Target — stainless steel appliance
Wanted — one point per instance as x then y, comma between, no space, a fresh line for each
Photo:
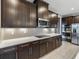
75,33
43,22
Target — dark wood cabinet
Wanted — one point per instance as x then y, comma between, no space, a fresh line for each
68,20
22,14
53,19
19,13
35,50
42,9
6,13
31,50
58,40
43,47
23,51
8,53
76,19
33,21
50,44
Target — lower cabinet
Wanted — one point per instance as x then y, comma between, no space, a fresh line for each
58,40
31,50
8,53
43,47
35,50
50,45
23,51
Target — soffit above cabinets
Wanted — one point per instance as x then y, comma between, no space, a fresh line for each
64,7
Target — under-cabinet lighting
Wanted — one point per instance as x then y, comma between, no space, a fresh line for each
10,31
72,8
45,30
23,30
53,29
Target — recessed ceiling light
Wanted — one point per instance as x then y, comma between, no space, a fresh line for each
23,30
72,8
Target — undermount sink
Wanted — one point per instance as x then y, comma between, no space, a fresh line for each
41,36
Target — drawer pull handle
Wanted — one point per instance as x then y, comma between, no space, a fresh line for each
35,43
24,45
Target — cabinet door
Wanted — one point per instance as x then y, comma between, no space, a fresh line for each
76,19
53,20
22,14
42,9
15,15
8,14
69,20
43,47
54,43
9,53
23,51
51,44
35,50
58,41
33,21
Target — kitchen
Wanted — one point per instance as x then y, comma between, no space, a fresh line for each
31,29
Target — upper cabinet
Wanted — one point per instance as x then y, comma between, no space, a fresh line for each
42,9
76,19
18,13
68,20
24,14
53,19
33,20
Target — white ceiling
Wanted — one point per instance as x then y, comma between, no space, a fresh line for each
63,7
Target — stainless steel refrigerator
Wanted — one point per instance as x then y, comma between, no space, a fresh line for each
75,33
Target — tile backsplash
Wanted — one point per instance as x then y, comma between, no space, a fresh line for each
11,33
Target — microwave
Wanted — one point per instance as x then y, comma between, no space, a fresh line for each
43,22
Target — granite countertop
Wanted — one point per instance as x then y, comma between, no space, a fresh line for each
17,41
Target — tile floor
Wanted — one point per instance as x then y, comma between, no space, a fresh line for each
66,51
